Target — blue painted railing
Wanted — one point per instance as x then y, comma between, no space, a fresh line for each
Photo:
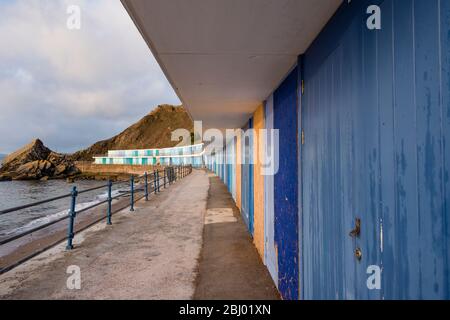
151,185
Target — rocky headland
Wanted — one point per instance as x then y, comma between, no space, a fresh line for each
37,162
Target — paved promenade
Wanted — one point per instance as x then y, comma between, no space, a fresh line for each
151,253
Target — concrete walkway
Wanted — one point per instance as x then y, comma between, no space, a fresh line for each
230,267
151,253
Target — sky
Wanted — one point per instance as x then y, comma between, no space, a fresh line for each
71,88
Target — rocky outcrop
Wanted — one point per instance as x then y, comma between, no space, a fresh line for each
36,162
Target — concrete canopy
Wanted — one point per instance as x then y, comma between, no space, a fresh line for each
225,57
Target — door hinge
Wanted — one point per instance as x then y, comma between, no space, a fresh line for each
303,86
303,137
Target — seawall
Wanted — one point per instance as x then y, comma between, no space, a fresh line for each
90,168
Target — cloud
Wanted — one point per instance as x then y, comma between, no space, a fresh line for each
73,87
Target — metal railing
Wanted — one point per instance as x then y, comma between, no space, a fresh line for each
151,184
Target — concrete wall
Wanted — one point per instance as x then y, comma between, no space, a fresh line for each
91,168
258,181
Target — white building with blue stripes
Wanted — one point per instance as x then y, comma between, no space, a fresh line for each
187,155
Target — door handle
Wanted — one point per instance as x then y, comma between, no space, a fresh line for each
357,230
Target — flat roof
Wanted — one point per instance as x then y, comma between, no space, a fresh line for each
224,57
159,149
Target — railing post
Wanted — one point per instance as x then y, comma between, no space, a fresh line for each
146,186
132,193
165,178
158,181
169,177
154,182
109,203
72,214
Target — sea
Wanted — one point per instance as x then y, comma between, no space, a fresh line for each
19,193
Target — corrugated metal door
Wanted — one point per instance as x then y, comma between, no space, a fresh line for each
286,186
376,117
269,215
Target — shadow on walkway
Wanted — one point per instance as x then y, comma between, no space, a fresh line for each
230,267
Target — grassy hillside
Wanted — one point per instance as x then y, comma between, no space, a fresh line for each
152,131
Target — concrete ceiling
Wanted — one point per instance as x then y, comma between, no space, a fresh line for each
224,57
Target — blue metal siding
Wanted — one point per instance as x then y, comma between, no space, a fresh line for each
432,241
286,188
251,193
445,85
376,116
233,180
231,167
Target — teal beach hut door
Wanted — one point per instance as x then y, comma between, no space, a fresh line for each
247,178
